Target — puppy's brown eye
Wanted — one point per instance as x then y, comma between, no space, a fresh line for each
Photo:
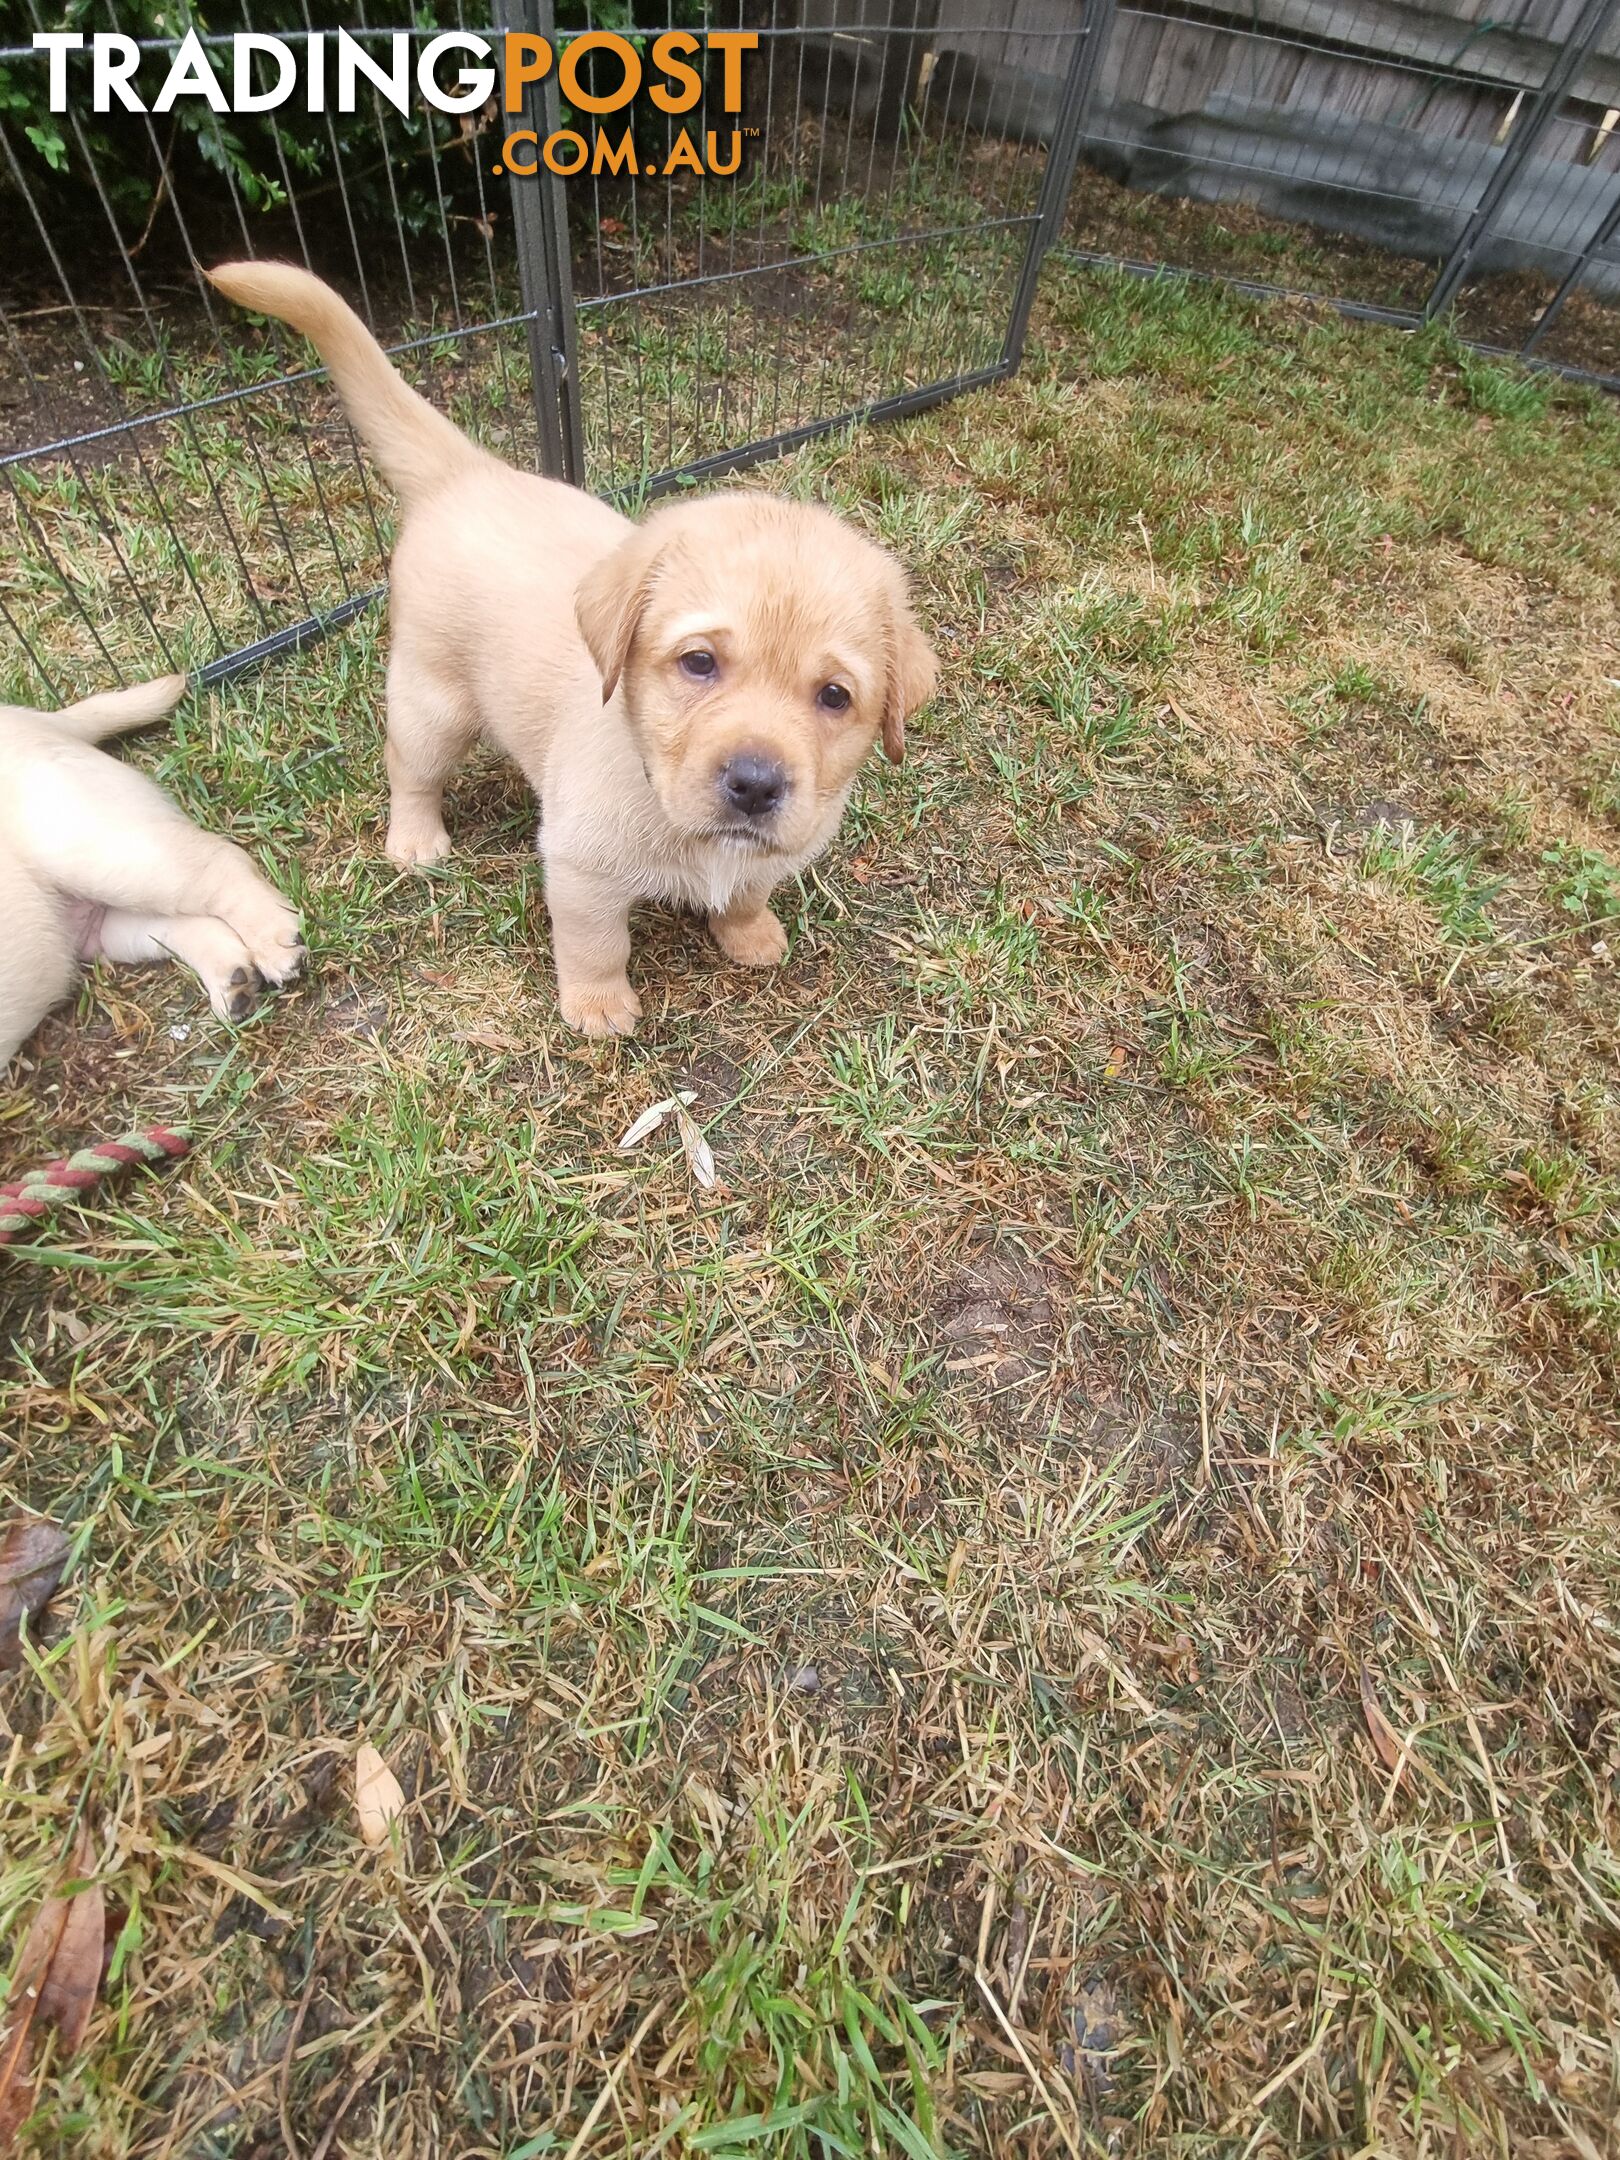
697,663
833,697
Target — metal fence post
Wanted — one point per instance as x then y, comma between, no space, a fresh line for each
1079,85
545,275
1535,116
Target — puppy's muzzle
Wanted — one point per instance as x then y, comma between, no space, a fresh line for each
752,787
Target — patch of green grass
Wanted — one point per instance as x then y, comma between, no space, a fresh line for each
1582,882
1444,869
1500,388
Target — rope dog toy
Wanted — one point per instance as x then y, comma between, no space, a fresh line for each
25,1199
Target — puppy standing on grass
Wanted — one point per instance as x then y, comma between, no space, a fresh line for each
97,863
689,697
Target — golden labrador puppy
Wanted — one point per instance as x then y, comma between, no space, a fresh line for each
97,863
689,697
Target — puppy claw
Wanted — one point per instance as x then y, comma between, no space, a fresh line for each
415,848
279,968
613,1010
758,941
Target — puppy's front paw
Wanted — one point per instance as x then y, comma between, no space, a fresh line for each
752,941
273,943
268,928
601,1008
213,948
413,843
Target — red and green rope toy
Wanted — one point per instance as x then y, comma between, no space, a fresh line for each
24,1200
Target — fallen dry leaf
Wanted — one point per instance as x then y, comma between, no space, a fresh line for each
33,1553
1118,1058
67,1995
699,1154
1384,1736
57,1980
378,1800
648,1122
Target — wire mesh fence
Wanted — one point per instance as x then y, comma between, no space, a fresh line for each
1396,161
862,235
182,486
869,258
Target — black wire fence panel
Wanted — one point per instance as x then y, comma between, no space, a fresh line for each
1405,161
1334,170
179,486
183,487
1547,281
869,254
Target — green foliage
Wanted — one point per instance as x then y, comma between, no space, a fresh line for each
411,169
257,154
1584,883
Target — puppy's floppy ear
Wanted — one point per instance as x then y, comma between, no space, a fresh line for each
611,599
912,675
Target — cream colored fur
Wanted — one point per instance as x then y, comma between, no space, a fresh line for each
97,863
531,614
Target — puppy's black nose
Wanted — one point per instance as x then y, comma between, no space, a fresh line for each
752,784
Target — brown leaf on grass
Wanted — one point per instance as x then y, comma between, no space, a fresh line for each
33,1553
57,1980
378,1799
1384,1736
1118,1058
67,1995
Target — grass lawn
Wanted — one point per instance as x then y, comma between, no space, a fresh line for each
1068,1605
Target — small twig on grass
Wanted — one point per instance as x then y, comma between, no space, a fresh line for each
157,199
1062,2128
284,2081
594,2112
1022,1974
1275,2084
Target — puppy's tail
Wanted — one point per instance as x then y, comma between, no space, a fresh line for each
413,442
115,712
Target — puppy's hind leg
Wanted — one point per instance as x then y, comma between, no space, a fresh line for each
208,946
430,730
102,832
37,964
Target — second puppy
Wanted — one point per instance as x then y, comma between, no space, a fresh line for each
97,863
689,697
